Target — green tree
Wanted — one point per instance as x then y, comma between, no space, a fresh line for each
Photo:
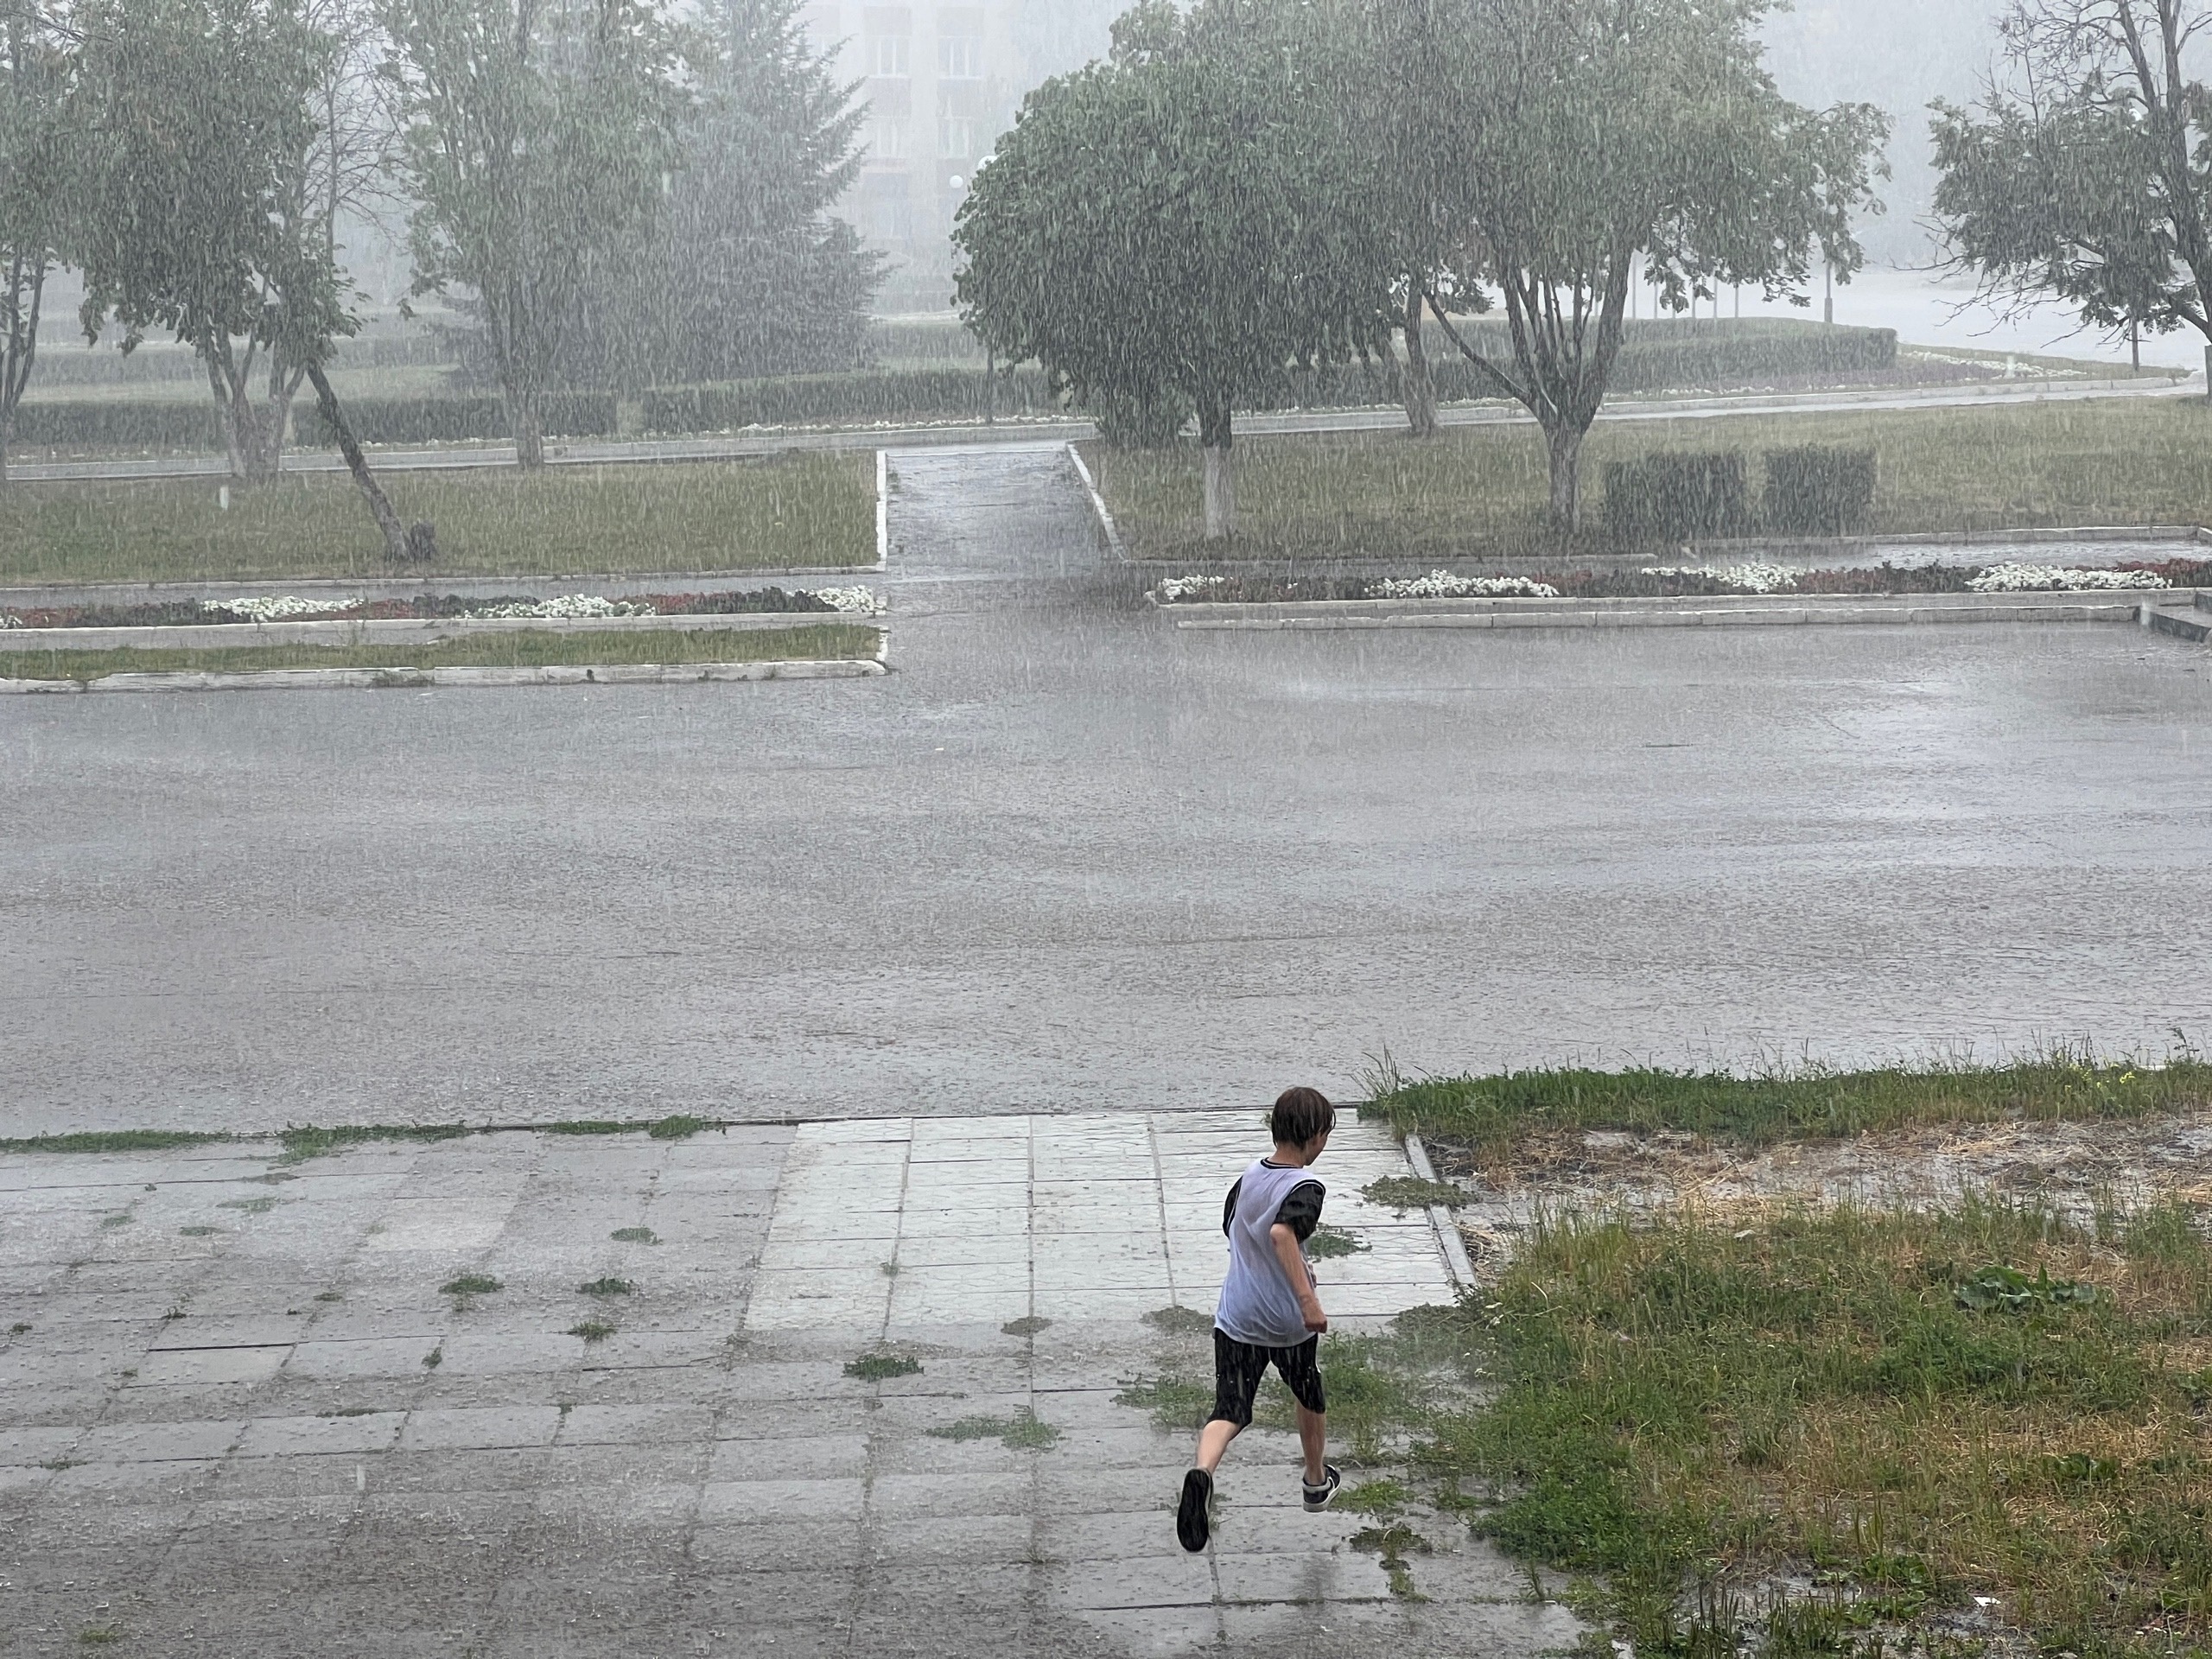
745,270
1166,230
538,136
1560,142
197,122
2088,176
37,190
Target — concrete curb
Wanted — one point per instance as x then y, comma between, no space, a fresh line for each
401,679
1748,611
407,586
407,631
1447,1230
1109,531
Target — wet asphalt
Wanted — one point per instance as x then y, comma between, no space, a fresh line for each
1065,858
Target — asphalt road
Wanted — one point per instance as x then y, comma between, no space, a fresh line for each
1064,857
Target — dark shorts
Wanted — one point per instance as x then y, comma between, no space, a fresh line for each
1238,1366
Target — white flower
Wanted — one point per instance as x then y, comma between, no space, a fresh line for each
1442,584
564,608
1744,578
855,602
275,607
2011,578
1175,588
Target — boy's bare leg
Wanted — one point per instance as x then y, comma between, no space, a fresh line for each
1312,1440
1213,1440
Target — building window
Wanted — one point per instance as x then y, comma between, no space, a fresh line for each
887,54
888,140
955,137
887,211
960,57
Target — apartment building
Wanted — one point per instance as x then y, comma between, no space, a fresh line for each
941,82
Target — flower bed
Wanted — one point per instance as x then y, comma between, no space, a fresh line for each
432,608
1695,581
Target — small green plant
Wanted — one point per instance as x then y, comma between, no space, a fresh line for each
95,1636
2002,1289
891,1269
877,1367
606,1287
592,1330
196,1232
1027,1325
1019,1432
111,1140
1328,1243
1385,1498
676,1127
592,1126
21,1327
1392,1543
470,1284
1176,1402
306,1141
435,1358
250,1206
633,1235
329,1296
1404,1192
1177,1320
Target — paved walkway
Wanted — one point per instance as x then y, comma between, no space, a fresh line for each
239,1417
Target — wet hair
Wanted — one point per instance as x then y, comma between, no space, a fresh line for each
1299,1115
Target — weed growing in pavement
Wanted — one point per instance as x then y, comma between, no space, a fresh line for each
676,1127
1330,1241
1393,1543
1179,1321
21,1327
251,1206
877,1367
435,1358
1499,1118
470,1284
1028,1325
1404,1192
94,1636
890,1269
592,1330
329,1296
592,1126
606,1287
107,1140
114,1221
197,1232
633,1235
1019,1432
306,1141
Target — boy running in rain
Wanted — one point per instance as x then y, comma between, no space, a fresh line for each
1269,1312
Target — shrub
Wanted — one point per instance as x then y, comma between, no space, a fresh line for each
1129,421
1816,491
1674,498
866,395
454,420
118,424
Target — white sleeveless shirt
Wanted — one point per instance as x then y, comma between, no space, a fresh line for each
1258,1304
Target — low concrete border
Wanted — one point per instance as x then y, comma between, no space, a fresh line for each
882,509
1750,610
1108,533
410,631
1448,1228
402,679
2194,625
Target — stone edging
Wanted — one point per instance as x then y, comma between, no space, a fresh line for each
1108,533
410,631
342,679
1750,610
882,508
1448,1228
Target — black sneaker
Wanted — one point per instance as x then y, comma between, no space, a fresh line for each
1317,1498
1192,1526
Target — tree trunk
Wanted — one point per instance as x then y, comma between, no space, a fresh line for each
396,544
1420,385
528,427
7,436
1565,442
1215,436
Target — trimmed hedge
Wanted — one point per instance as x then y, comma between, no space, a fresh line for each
1675,498
118,423
1817,491
867,395
452,420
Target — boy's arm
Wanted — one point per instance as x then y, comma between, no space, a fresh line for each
1301,1280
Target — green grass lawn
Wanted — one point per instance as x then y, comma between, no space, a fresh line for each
1499,1119
1695,1405
1471,491
525,648
789,512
